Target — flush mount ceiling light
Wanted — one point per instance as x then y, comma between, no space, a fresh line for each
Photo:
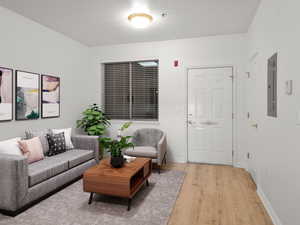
140,20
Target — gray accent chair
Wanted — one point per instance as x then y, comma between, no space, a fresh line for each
23,184
149,143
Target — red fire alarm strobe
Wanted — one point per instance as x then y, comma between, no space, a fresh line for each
175,63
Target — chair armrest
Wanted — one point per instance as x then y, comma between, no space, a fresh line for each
161,149
86,142
13,181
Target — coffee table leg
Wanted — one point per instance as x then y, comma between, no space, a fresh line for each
147,182
91,198
129,204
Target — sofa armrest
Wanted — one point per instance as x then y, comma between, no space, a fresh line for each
86,142
13,181
161,149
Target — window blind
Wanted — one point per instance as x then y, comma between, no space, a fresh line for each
131,90
144,91
117,90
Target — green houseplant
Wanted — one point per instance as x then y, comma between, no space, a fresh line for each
115,146
94,121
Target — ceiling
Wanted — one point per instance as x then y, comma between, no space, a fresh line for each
104,22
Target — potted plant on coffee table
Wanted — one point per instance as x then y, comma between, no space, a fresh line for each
115,147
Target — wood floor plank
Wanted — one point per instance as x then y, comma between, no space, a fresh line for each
217,195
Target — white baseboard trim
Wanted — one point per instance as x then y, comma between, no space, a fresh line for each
275,219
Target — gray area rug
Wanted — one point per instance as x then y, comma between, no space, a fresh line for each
151,206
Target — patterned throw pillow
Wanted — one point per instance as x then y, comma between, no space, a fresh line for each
57,144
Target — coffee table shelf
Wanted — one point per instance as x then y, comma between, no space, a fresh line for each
122,182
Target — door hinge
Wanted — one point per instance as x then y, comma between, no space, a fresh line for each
248,115
232,115
248,74
231,76
232,154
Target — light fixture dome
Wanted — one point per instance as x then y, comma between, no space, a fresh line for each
140,20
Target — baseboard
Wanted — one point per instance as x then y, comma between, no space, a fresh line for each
274,217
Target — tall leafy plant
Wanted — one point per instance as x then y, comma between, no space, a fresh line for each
93,121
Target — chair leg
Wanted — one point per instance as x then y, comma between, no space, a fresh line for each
165,159
159,169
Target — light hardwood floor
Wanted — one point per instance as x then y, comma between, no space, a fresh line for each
217,195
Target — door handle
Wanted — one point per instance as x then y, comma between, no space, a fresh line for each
190,122
209,123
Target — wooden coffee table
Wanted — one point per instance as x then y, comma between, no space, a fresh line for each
122,182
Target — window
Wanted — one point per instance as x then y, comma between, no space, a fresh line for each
272,86
131,90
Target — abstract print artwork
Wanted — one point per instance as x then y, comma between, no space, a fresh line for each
6,79
50,96
27,95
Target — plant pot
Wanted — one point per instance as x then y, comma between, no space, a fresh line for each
117,162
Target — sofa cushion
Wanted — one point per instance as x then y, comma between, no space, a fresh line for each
47,168
57,143
11,147
32,149
77,156
31,133
54,165
142,151
68,133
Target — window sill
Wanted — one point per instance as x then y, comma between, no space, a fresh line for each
153,122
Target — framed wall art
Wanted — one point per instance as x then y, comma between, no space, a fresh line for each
27,95
6,94
50,96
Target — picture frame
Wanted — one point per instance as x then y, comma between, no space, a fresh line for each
6,94
27,95
50,96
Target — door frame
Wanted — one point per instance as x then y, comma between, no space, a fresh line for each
249,165
235,161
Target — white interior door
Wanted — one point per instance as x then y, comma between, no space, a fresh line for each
210,115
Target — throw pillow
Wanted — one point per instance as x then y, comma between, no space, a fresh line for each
32,149
31,133
10,147
68,133
57,143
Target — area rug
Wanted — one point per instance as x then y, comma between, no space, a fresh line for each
151,206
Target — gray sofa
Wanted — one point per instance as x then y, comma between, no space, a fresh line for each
21,185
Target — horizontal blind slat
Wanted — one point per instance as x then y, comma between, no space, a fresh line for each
144,92
117,90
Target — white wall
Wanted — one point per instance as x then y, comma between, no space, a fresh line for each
26,45
208,51
29,46
277,156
